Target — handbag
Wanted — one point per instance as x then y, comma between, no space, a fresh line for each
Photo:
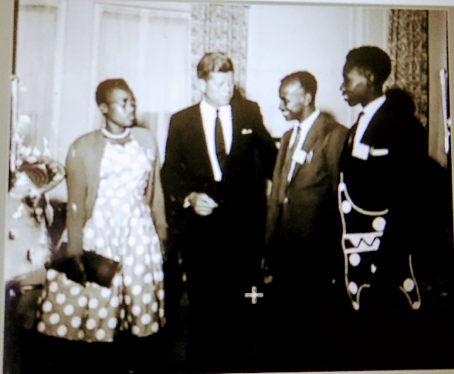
68,266
98,269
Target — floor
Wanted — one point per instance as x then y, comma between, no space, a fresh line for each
28,352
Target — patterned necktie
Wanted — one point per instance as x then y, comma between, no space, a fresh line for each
219,141
289,154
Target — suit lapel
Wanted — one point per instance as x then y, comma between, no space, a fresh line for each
375,127
200,143
237,138
236,131
308,146
280,179
284,145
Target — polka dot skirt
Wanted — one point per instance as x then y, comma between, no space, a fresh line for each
121,228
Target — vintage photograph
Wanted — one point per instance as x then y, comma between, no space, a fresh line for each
228,187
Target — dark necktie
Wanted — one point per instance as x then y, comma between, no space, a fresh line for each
352,133
219,141
348,148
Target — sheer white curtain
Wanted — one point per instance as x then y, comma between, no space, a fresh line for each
150,49
38,69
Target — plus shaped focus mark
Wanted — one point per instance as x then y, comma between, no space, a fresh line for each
253,295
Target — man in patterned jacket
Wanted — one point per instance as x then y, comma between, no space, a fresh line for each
381,168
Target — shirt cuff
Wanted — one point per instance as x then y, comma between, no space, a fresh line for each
186,203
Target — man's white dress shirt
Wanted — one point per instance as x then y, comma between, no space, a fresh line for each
305,127
208,114
361,150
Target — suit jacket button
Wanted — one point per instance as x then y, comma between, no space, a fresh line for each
286,200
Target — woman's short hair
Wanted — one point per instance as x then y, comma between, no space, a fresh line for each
213,62
108,86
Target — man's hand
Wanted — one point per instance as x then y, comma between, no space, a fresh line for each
202,204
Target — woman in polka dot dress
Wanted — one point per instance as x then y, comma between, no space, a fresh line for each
113,187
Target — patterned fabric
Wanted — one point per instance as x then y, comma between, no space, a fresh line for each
408,46
219,28
121,228
362,231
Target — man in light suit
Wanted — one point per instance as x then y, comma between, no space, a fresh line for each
303,229
218,158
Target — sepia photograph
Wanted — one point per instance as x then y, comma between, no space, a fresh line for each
226,186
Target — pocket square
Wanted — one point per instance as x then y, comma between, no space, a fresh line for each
379,151
246,131
361,151
300,156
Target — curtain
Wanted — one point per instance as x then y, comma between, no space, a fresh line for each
157,52
36,70
408,46
150,50
219,28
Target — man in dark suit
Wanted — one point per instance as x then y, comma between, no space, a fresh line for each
381,199
303,229
218,157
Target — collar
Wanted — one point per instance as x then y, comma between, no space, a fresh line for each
368,113
211,109
309,121
370,109
304,126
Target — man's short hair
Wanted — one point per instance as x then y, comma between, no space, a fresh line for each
306,79
370,58
108,86
213,62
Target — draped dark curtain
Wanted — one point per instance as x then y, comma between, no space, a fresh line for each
408,47
220,28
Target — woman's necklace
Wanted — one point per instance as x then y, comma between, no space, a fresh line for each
109,135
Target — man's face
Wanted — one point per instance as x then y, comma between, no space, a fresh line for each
355,87
120,108
218,88
293,100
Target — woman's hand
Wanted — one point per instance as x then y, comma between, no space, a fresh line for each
80,267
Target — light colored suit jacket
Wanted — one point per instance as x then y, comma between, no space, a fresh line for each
297,208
